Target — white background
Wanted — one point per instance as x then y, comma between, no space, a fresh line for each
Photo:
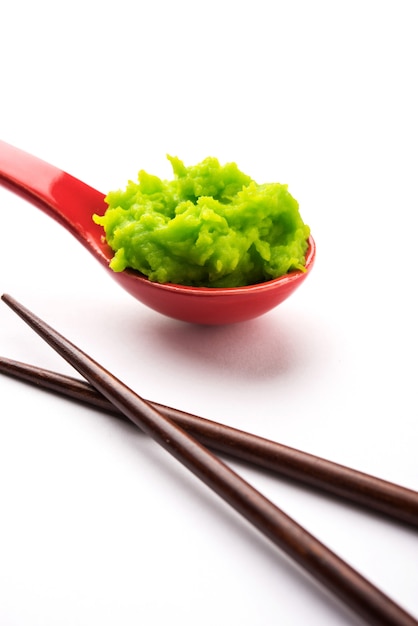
100,526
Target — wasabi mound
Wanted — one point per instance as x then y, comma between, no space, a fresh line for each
211,226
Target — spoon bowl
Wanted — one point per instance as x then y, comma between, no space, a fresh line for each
72,204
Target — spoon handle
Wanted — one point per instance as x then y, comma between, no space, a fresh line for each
64,198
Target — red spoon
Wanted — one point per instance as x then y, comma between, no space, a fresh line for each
72,203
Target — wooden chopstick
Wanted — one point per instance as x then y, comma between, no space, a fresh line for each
334,573
375,494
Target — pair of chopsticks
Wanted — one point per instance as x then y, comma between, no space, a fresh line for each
168,428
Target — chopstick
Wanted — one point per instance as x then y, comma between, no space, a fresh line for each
325,566
374,494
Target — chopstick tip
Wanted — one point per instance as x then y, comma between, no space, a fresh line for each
10,301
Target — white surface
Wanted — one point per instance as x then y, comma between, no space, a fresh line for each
98,525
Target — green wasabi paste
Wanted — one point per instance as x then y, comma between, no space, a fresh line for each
211,226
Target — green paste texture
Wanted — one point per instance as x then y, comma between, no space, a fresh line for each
212,226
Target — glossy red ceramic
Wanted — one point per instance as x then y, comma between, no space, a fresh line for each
72,203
